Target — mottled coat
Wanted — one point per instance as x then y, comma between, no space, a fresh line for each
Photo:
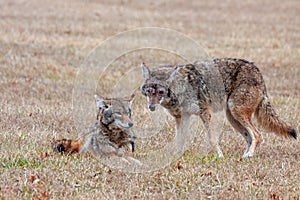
234,85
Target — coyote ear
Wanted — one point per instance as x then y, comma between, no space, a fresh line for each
131,99
146,71
100,102
132,96
172,76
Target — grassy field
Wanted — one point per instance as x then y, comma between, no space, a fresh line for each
42,45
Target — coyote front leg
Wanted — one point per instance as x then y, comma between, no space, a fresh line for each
212,135
182,124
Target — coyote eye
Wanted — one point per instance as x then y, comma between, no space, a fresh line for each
117,114
107,113
150,91
161,91
129,112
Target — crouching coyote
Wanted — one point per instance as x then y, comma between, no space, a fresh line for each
112,133
187,89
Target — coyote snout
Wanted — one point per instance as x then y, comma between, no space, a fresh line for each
123,121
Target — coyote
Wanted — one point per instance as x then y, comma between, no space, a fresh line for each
112,133
187,89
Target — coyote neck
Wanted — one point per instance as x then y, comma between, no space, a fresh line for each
172,104
114,133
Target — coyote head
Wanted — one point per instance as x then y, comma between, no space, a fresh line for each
115,111
156,86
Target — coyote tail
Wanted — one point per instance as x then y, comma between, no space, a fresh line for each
268,119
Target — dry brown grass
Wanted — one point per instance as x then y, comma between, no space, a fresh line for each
42,44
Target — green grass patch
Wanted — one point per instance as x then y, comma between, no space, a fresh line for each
20,162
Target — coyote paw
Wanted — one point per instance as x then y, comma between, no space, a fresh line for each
247,155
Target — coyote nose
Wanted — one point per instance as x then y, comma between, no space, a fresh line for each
152,107
130,124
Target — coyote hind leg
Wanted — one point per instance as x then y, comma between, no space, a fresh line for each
240,128
239,113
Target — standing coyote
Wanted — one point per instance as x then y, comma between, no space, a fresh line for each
187,89
112,134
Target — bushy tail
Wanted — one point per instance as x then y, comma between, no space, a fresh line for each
67,145
269,120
